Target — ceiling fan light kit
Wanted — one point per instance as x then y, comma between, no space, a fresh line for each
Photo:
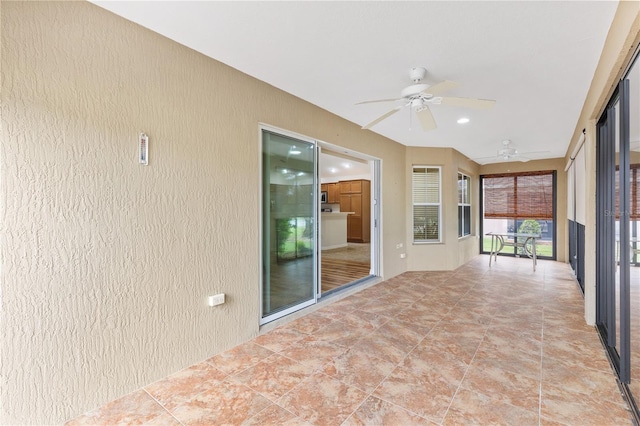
418,95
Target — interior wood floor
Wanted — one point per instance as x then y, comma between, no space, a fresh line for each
338,272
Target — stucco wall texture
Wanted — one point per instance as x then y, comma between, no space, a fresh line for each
106,264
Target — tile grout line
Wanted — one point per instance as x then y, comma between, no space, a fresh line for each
163,407
398,364
544,296
468,366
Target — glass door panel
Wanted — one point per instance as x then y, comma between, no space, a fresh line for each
288,225
614,230
619,225
634,243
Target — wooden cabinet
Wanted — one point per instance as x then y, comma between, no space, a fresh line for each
355,196
333,193
351,186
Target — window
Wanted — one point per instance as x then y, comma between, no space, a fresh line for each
464,205
520,203
426,204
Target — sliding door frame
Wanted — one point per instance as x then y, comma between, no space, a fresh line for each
264,234
607,262
376,220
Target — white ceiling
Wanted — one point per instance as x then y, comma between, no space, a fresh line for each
334,168
536,59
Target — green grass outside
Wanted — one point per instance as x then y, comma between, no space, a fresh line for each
544,249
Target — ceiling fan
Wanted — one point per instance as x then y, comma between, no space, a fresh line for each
419,95
508,152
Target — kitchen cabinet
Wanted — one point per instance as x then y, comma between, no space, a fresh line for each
351,186
333,192
355,196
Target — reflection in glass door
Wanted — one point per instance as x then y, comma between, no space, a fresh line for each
289,212
613,231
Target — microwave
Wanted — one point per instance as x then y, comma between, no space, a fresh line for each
323,197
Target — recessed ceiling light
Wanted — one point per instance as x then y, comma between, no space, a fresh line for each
346,165
333,170
294,151
463,120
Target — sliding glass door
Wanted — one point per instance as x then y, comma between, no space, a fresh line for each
617,220
289,214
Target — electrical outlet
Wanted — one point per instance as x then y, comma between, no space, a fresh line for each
403,255
399,245
216,299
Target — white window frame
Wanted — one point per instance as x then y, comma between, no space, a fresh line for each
462,176
438,204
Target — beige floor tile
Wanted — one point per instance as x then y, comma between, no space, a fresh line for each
323,400
383,347
274,376
503,386
135,408
571,408
471,408
308,324
512,337
275,415
427,393
463,346
385,308
337,333
279,339
313,353
363,370
510,359
374,411
572,376
417,315
165,419
227,403
185,384
240,357
587,353
439,356
363,320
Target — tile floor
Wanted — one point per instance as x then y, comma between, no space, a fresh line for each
479,345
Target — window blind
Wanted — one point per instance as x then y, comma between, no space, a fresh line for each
527,195
634,188
464,205
426,185
426,204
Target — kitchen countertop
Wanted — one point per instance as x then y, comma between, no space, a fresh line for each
336,213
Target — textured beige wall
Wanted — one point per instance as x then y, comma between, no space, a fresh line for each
105,264
451,252
556,164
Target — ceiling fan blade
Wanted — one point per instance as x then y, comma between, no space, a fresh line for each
378,100
535,152
443,86
379,119
468,102
426,119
